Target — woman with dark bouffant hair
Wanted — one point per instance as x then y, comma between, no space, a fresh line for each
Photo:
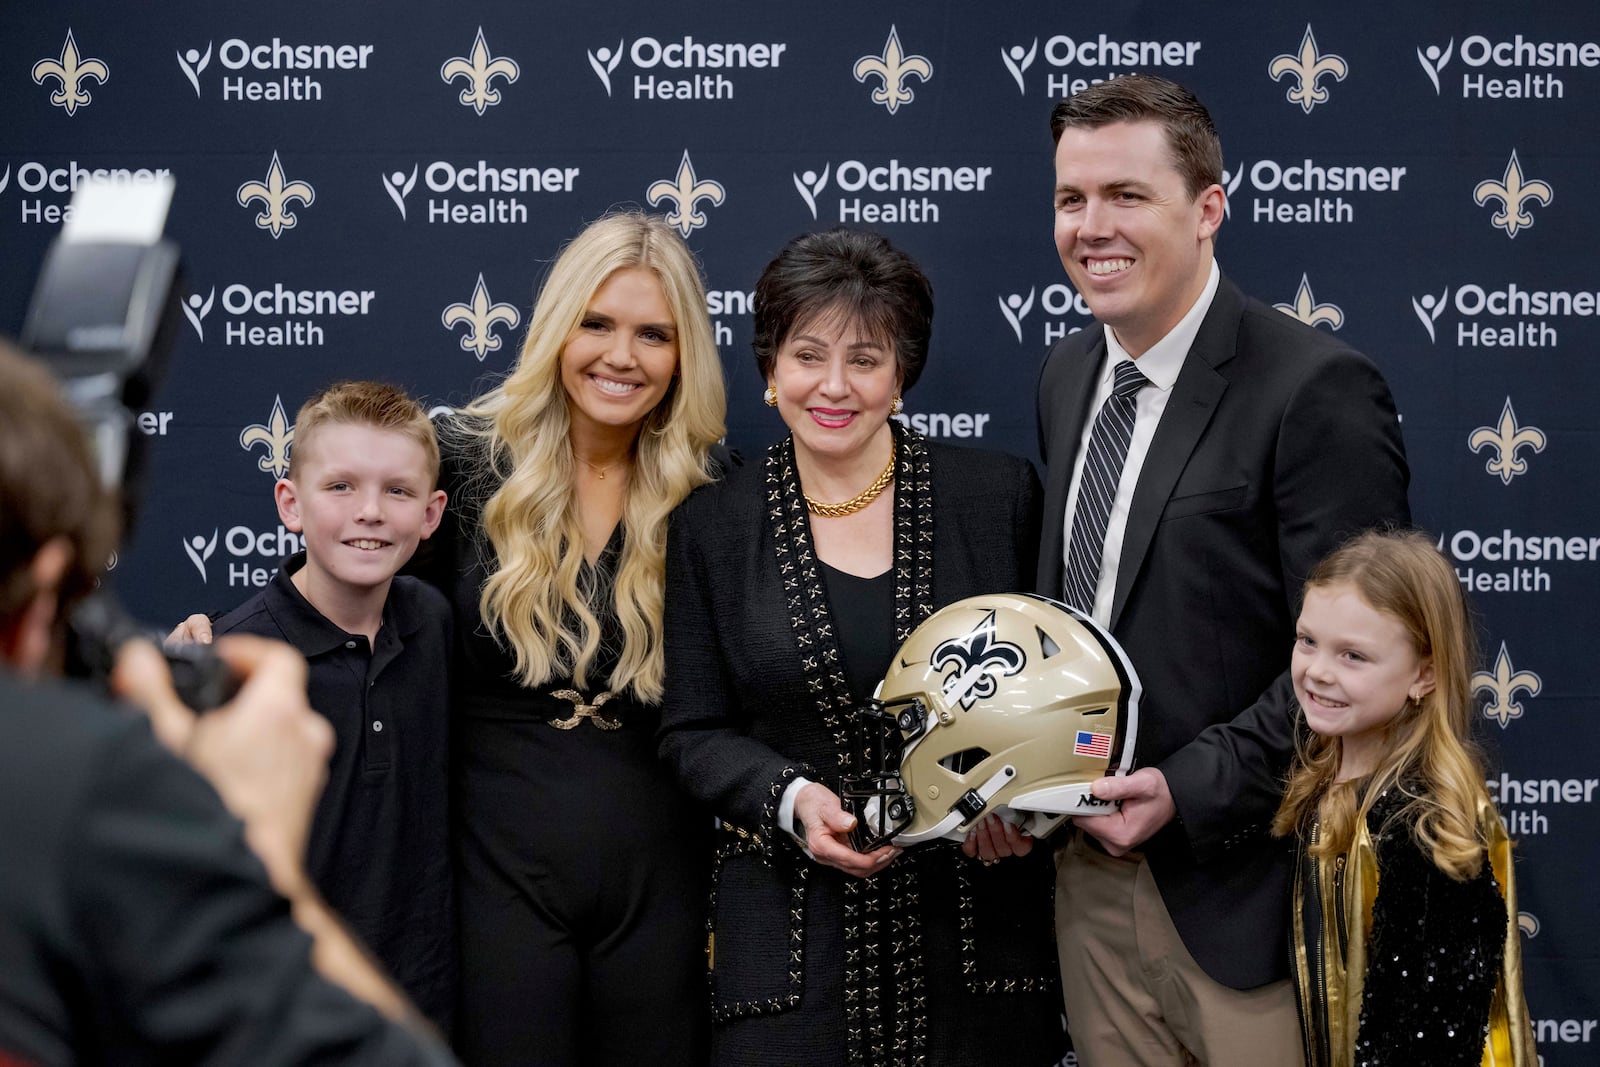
789,586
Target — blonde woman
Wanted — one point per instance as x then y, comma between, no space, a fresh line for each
580,865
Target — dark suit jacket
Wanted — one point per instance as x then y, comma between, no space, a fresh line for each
1277,443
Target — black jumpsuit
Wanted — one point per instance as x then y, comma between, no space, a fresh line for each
582,869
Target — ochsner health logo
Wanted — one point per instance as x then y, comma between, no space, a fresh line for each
196,308
1073,64
1015,308
200,550
686,63
243,62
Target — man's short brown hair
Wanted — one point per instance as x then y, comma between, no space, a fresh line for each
1196,148
49,487
376,404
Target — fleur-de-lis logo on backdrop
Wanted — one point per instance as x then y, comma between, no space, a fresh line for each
1429,307
1015,308
480,69
1513,191
977,659
684,192
1502,684
1506,439
480,314
582,709
1307,310
1528,923
1307,69
893,68
275,195
277,435
70,70
193,63
196,308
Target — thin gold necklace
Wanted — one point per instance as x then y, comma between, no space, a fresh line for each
600,472
861,499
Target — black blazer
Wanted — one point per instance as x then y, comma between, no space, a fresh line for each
740,720
1277,443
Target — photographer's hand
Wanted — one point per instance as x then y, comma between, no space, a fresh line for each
266,754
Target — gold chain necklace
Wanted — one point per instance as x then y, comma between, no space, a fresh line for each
860,500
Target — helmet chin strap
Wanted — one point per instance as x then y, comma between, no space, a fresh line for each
975,801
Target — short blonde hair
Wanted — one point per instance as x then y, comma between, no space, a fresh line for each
378,405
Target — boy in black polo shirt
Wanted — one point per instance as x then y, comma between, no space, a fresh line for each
361,487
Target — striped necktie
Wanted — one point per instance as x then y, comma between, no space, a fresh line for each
1102,470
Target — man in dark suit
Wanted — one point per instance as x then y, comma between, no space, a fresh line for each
1237,447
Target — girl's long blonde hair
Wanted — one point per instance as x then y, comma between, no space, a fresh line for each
1429,755
534,600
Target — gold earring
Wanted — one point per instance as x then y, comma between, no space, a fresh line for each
770,396
895,405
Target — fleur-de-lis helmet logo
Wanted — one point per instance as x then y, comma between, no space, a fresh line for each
1307,310
275,195
70,70
974,661
1513,191
480,69
684,192
1502,684
1307,69
277,435
893,67
1506,438
480,314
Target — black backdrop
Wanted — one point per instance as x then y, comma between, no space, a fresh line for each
434,157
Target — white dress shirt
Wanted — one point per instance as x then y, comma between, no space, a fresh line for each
1160,364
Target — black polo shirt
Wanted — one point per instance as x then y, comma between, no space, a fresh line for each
379,848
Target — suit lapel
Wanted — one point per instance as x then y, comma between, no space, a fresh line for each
1194,400
1064,408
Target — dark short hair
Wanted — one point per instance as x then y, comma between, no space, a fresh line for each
856,274
1196,148
49,488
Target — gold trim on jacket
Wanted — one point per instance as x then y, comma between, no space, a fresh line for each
1350,884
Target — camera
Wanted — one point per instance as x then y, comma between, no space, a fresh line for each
102,319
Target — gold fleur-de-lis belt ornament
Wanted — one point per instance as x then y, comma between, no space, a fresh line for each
584,710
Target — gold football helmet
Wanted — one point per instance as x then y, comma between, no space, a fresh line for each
1003,703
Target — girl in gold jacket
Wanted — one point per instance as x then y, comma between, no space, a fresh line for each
1405,933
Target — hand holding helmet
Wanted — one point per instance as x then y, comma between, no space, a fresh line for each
1008,703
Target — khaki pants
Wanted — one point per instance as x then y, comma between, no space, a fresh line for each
1135,997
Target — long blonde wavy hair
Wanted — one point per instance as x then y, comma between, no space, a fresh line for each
1428,753
534,601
